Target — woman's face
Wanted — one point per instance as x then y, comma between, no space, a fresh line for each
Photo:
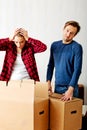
19,42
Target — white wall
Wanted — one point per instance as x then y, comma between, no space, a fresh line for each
44,20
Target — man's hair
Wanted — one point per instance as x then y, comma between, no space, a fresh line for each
74,24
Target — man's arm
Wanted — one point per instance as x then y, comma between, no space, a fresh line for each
75,76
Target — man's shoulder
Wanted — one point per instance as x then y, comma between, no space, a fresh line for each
76,44
56,42
55,45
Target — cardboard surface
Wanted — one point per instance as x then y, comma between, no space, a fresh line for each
41,114
65,115
19,107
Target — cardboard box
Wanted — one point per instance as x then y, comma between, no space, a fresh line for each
41,114
65,115
20,108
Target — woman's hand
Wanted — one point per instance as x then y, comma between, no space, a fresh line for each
20,31
11,38
24,33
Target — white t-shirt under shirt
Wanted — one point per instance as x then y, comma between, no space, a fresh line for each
19,70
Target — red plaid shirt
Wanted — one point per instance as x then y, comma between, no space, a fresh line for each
31,47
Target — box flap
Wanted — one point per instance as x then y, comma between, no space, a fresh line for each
55,95
14,83
17,106
41,89
18,91
2,83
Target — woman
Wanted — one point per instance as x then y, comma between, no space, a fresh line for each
19,62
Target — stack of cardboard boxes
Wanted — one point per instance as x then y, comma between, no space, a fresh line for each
25,105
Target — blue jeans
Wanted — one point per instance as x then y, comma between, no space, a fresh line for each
63,88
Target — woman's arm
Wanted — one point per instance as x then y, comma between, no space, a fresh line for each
3,44
38,46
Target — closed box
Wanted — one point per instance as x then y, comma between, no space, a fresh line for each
65,115
20,108
41,114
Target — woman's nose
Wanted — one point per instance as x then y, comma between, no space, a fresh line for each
18,44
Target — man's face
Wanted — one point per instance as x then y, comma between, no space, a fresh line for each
19,42
69,33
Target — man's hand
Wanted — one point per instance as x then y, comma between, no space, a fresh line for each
68,94
49,87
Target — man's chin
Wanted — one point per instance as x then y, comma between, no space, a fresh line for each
67,41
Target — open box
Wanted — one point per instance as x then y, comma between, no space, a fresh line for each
23,105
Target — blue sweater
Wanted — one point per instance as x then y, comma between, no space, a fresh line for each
67,61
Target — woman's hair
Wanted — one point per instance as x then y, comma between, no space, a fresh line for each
19,34
74,24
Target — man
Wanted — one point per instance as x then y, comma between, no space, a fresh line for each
66,58
19,60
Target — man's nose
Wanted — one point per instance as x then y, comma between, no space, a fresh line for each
68,34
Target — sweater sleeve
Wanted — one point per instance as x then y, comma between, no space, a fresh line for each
38,46
78,52
50,66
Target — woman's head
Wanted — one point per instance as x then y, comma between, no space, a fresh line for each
19,40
